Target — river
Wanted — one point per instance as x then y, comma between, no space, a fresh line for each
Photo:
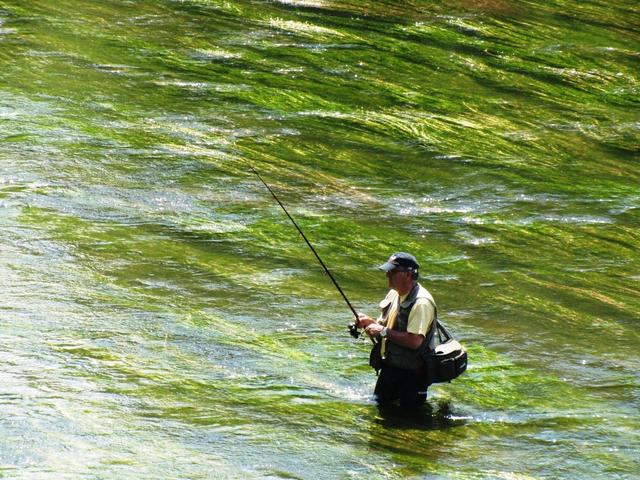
161,318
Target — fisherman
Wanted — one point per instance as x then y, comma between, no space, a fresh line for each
407,313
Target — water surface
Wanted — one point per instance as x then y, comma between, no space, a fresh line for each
161,318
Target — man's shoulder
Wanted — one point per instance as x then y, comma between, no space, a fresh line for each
391,297
424,295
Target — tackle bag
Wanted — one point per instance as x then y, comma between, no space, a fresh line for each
445,361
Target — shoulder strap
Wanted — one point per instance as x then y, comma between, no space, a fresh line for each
434,324
437,327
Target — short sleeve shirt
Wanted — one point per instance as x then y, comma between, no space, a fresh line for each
421,315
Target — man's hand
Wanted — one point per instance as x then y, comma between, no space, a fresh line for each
364,320
374,329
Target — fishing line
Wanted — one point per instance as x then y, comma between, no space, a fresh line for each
353,329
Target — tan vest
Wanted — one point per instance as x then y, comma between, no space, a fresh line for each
396,317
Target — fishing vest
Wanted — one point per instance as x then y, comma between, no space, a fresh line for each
396,355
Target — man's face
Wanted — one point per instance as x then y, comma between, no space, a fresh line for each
398,279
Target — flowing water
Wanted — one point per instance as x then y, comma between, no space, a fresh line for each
161,318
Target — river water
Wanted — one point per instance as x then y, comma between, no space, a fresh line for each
161,318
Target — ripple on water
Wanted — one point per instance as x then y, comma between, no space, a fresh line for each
569,219
215,54
183,84
303,28
117,69
303,3
6,31
442,278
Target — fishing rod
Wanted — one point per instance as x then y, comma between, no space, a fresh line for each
353,328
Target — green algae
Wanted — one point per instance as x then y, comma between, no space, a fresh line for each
161,317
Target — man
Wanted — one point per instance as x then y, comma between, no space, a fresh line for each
407,314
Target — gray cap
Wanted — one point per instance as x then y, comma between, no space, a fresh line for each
400,259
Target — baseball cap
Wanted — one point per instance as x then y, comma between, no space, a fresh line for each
400,259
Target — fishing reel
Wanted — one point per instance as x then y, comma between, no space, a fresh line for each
353,330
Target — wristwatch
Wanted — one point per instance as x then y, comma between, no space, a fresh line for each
383,332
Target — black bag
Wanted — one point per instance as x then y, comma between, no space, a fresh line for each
447,360
375,357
